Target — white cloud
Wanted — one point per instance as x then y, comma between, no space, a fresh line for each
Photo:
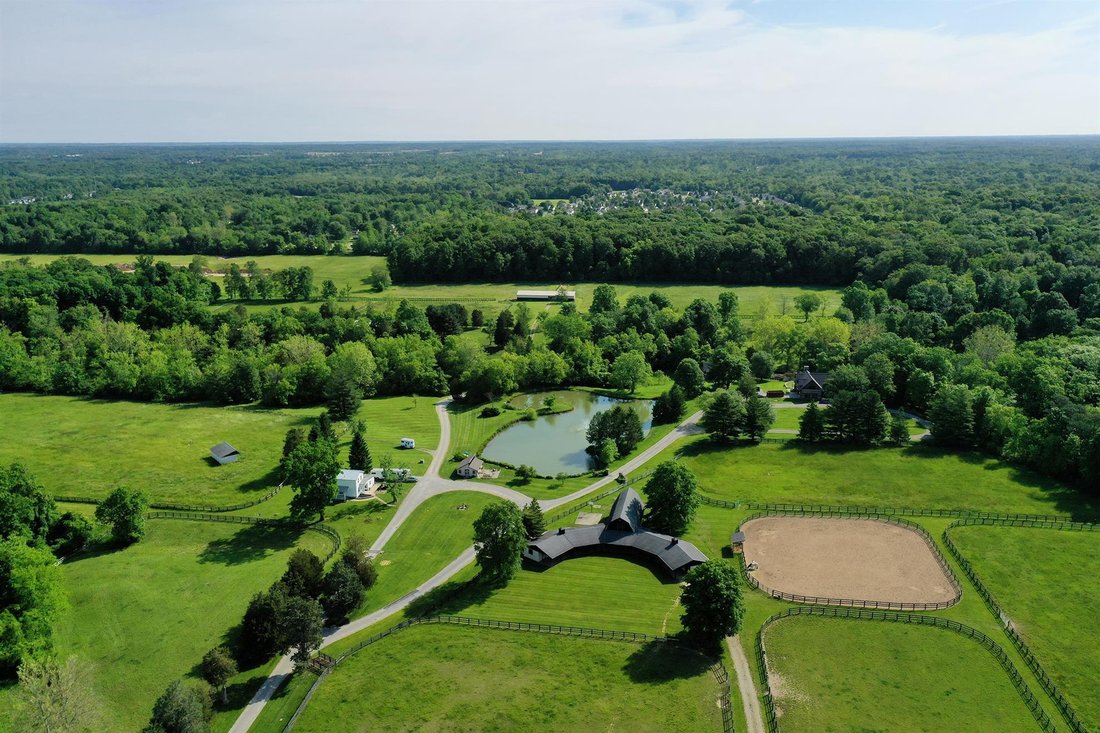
118,70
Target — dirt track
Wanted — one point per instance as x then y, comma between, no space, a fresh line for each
845,558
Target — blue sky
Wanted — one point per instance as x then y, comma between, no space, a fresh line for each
273,70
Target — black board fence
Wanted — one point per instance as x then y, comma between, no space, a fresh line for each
771,718
180,507
328,532
884,511
1003,618
856,602
717,669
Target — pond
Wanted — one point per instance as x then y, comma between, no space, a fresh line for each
554,444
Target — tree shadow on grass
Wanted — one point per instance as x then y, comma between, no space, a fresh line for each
265,483
659,662
451,598
249,544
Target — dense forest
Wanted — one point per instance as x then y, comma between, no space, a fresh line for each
726,212
971,276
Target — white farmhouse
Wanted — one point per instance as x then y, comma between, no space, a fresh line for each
352,483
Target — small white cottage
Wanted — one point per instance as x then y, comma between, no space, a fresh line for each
408,443
352,483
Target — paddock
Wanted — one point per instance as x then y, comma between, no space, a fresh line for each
839,558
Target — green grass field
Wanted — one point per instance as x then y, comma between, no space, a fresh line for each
1048,582
844,675
917,477
433,536
597,592
144,616
461,679
85,447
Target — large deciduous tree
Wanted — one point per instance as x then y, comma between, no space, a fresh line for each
218,667
712,602
499,540
629,370
124,510
311,470
672,498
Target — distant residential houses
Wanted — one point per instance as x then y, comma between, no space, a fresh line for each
809,385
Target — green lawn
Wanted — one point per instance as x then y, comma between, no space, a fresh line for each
143,616
84,447
845,675
916,477
448,678
596,592
1048,582
787,418
433,536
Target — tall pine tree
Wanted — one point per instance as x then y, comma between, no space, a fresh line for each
359,453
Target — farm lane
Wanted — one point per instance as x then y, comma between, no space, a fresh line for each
432,484
750,699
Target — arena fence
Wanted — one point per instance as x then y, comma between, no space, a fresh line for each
771,717
717,669
884,511
854,602
1003,618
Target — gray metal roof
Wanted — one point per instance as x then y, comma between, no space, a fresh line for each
221,450
810,380
473,462
672,553
626,513
737,537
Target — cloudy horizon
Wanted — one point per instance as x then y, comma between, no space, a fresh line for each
341,70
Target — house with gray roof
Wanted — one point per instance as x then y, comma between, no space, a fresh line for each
621,534
471,467
810,385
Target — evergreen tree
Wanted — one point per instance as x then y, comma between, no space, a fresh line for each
534,523
758,417
343,397
669,407
359,454
899,431
180,709
293,439
951,413
811,424
259,637
724,417
324,427
504,328
304,573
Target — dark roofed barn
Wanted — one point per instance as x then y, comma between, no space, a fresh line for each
624,534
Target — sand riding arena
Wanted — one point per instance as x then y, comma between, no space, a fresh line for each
844,561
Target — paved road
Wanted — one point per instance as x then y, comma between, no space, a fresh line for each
432,484
750,700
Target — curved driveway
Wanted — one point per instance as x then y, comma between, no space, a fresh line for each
432,484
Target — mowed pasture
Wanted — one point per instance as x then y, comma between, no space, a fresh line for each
594,592
85,447
354,271
846,675
1048,582
919,477
143,616
455,678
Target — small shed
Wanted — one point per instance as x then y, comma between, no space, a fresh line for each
737,542
224,453
352,483
408,443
